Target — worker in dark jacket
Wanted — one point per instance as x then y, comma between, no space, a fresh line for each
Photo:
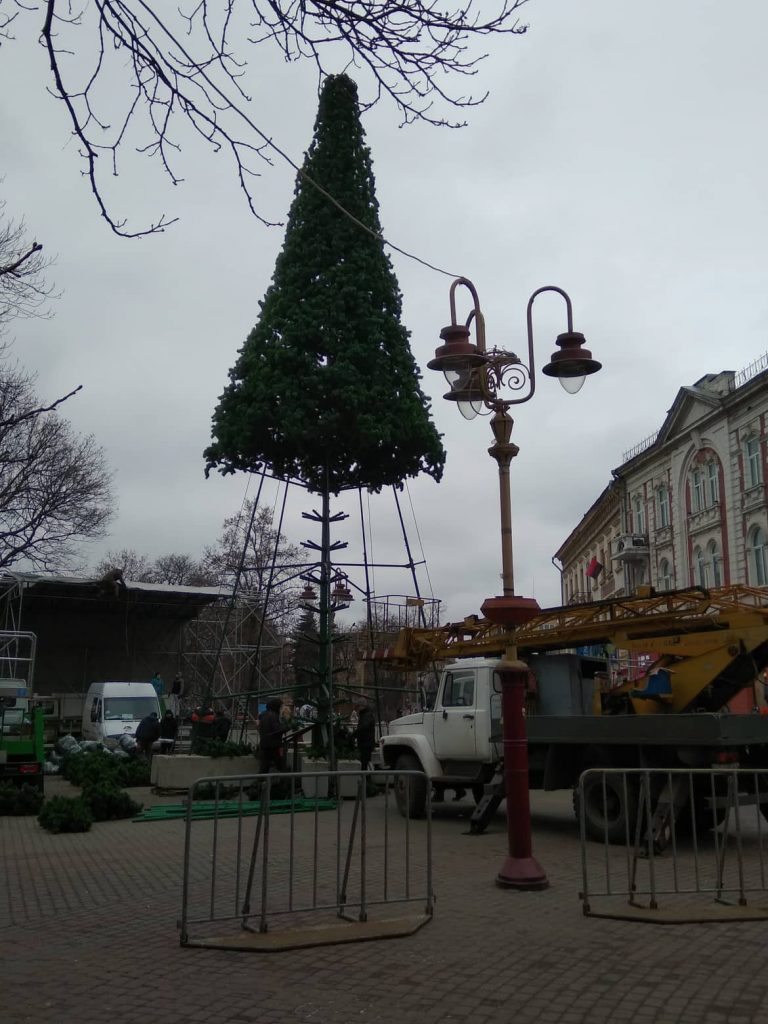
169,729
221,726
365,734
148,732
271,730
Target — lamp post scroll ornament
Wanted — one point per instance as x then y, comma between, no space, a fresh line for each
490,380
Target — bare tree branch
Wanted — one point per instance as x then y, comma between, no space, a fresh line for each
31,414
23,288
55,489
178,68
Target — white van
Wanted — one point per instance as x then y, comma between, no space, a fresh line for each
112,709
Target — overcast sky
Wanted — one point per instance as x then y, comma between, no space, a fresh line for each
621,155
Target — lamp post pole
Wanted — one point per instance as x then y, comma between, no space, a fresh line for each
483,380
503,451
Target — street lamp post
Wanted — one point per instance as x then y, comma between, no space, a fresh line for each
482,379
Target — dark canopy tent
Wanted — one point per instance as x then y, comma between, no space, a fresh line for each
90,630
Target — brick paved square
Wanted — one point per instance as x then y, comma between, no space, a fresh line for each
88,933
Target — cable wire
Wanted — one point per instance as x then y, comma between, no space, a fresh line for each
418,537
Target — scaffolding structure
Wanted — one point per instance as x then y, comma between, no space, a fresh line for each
227,650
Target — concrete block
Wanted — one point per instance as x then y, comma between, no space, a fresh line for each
179,771
318,786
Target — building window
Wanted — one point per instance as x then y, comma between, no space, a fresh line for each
717,564
639,516
700,568
697,491
663,500
665,575
753,472
756,558
713,483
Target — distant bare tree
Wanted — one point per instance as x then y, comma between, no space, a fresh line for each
55,488
221,563
176,569
136,72
135,568
180,570
23,289
24,292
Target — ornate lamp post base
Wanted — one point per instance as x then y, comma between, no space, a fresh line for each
520,869
522,873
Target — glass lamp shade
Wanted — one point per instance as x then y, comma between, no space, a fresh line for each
572,384
470,408
453,376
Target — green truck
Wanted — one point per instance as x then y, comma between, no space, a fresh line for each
22,740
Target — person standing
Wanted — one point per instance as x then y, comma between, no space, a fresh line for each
159,685
147,733
271,730
177,692
169,728
222,724
365,734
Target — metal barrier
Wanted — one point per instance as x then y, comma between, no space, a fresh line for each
693,839
270,859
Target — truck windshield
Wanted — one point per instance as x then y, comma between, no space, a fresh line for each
129,709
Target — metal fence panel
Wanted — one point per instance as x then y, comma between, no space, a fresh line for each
673,844
269,853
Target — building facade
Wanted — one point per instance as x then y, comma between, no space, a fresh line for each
689,505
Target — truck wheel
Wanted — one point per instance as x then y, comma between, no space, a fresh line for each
611,815
410,791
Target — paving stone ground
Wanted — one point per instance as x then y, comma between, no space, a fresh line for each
88,934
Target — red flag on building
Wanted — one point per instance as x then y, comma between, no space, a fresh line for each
594,569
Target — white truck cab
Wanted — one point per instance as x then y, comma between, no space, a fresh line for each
114,708
457,743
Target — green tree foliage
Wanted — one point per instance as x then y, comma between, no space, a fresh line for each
304,659
19,800
65,814
325,389
108,803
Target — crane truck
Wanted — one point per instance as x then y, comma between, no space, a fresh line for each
707,646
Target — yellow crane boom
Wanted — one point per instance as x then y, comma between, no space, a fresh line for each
712,641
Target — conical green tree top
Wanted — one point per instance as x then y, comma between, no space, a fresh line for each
325,387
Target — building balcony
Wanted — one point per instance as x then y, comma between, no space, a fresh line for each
663,535
753,498
705,519
629,547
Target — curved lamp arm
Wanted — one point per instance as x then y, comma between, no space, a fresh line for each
529,322
475,314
